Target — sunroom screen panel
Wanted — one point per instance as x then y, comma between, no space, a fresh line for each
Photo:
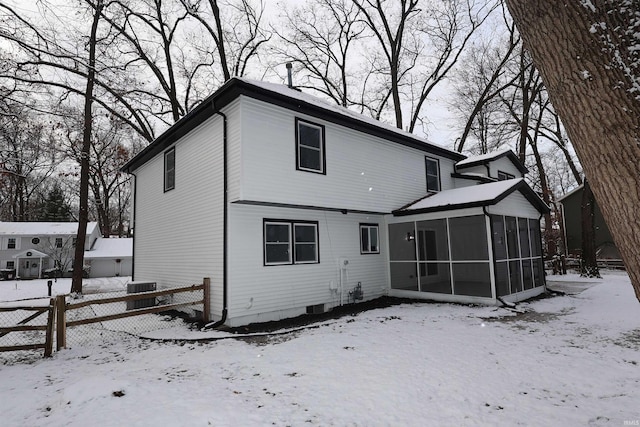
472,279
468,238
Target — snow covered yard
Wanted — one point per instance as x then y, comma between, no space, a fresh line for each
568,360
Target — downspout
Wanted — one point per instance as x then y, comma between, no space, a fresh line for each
544,273
492,265
225,218
135,205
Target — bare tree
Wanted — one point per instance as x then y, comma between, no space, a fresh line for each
392,26
83,215
483,78
588,57
45,59
236,29
26,161
108,153
322,39
419,47
445,28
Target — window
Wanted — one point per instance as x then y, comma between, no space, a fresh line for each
433,174
502,176
74,242
11,265
290,242
310,147
35,240
170,169
58,242
369,239
11,243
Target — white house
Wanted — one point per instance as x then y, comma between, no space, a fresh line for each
291,205
31,248
109,257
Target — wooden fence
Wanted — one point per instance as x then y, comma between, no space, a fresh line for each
22,326
58,309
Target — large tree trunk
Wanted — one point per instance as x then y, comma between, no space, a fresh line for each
593,96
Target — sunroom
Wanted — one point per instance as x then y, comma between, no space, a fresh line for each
478,244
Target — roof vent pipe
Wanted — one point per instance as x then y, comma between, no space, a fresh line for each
289,78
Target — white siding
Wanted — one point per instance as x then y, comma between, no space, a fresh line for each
479,169
108,267
363,172
259,293
503,164
234,150
178,233
515,205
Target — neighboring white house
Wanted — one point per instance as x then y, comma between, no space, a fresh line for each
292,205
31,248
110,257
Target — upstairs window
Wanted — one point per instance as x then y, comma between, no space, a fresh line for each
11,243
290,242
58,242
433,174
310,156
369,239
170,169
503,176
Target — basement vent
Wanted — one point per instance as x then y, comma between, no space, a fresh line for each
137,287
315,309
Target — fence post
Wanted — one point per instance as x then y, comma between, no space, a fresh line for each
207,299
48,343
61,322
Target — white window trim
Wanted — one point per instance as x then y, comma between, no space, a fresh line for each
17,241
289,243
321,148
316,259
291,224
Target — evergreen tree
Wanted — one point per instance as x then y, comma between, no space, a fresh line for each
56,208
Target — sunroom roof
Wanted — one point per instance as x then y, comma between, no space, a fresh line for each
473,196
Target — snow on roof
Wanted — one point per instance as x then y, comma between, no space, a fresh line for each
111,248
484,157
43,228
285,90
280,94
472,196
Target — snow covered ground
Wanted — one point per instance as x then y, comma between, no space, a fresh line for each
567,360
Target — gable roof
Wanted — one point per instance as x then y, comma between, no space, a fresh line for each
473,196
31,253
111,248
282,95
490,157
570,193
43,228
